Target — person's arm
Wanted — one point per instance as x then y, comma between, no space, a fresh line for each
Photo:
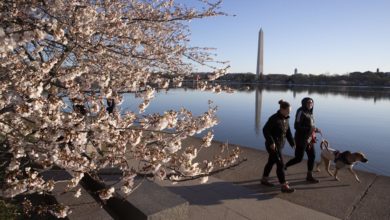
267,132
290,138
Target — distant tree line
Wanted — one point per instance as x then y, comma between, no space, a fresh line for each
368,93
352,79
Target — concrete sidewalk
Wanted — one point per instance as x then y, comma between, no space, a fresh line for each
218,199
237,194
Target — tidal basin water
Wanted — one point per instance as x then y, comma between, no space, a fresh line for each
355,119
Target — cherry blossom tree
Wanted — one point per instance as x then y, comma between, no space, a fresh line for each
64,67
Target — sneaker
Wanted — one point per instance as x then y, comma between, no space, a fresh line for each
287,189
266,182
311,179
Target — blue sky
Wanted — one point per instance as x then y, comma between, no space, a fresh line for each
315,36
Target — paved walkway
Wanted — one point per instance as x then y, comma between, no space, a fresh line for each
237,194
219,199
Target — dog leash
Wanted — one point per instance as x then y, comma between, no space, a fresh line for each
278,154
324,143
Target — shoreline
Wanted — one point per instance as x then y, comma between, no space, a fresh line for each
366,168
288,84
263,151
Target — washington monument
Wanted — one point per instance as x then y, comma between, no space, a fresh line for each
260,66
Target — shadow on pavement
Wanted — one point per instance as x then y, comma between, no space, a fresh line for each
215,193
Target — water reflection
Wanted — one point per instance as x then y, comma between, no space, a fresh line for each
375,94
258,102
351,118
364,92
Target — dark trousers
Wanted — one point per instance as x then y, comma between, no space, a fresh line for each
301,147
275,157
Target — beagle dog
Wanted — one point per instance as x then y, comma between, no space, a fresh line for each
341,160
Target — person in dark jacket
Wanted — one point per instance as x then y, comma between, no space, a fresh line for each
110,105
305,139
275,132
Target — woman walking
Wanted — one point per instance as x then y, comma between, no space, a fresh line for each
275,132
305,139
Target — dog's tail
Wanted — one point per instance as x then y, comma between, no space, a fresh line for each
324,144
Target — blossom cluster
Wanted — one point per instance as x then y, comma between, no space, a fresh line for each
64,66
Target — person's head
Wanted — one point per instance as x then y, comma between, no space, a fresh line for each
308,103
285,108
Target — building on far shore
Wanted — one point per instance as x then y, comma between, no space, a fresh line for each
295,71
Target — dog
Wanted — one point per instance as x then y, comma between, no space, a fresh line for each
341,160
